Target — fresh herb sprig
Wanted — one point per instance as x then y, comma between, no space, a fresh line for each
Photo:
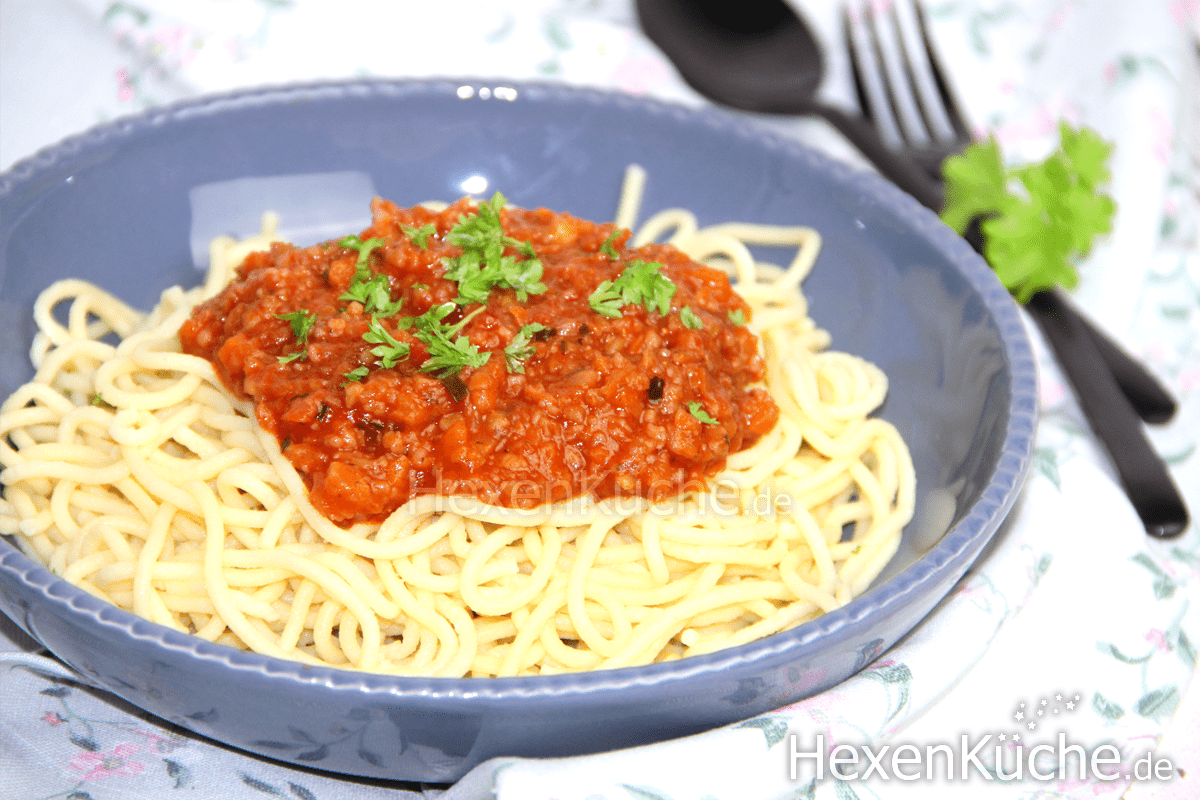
389,351
449,352
640,283
375,296
483,265
1038,219
419,236
372,290
302,323
362,267
697,411
521,347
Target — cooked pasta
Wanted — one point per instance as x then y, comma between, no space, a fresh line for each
131,472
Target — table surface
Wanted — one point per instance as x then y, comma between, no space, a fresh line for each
1010,637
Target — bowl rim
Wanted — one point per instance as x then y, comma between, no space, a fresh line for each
961,543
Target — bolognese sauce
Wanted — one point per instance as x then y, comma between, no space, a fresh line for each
520,357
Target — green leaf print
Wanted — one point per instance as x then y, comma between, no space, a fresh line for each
842,791
644,792
1111,650
259,786
1106,708
1045,463
898,675
773,729
1164,586
180,775
1158,702
1183,646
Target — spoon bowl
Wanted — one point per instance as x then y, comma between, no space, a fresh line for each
756,55
760,56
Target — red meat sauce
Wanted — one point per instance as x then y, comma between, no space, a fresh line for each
604,406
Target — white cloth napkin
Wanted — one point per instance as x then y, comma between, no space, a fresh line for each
1072,601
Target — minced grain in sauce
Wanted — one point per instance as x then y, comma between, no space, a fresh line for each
605,406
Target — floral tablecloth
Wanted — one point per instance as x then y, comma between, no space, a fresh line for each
1074,628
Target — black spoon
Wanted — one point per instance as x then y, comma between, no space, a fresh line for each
758,55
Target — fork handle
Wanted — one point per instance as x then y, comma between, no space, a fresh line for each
1142,473
1152,402
901,171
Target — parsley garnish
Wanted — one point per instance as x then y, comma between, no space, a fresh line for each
420,236
737,317
362,268
483,265
697,411
354,375
640,282
520,348
608,249
689,319
1038,219
390,351
446,356
301,322
375,296
290,357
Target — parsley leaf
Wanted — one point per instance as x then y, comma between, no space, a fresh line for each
1038,219
483,264
606,300
608,249
420,236
640,282
390,351
375,296
362,268
354,375
737,317
520,348
301,323
689,319
697,411
446,355
290,357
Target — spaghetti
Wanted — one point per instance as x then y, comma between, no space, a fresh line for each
131,472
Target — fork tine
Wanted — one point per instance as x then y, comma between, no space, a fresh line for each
954,115
914,86
889,91
856,72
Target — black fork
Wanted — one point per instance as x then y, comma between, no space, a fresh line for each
1113,389
938,129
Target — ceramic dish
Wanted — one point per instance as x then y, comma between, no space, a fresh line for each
129,205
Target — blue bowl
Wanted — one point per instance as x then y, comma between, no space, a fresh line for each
129,204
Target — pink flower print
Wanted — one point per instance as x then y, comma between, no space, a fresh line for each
52,718
1159,639
124,88
1189,379
1162,136
1051,393
1184,11
103,765
641,75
